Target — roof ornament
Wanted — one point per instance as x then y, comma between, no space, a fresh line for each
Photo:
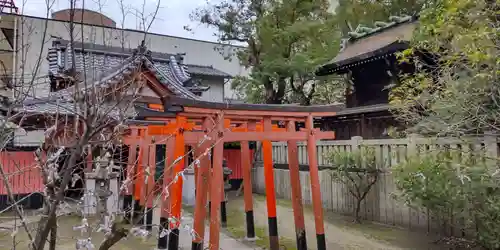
400,19
143,50
343,43
179,57
380,24
362,31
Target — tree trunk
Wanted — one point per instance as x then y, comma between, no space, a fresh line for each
117,233
53,235
49,215
357,218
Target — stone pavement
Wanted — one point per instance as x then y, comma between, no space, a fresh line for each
226,242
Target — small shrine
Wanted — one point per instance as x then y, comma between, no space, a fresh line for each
368,61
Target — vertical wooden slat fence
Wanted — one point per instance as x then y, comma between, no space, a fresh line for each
23,176
380,204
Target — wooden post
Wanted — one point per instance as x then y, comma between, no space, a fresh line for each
165,205
412,148
491,148
267,150
490,142
176,205
223,211
315,185
298,210
128,198
138,180
247,184
90,161
142,178
216,185
150,185
201,190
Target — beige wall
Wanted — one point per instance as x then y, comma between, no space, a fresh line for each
216,91
31,34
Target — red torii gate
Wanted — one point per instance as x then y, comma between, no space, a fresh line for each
213,124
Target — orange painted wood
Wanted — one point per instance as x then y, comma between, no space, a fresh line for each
137,178
293,166
167,178
216,190
267,150
176,194
246,168
150,185
202,185
22,171
314,176
132,158
193,138
138,173
142,176
156,106
269,178
168,129
233,159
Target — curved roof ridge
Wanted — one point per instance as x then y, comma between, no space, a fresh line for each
175,84
363,31
199,65
173,76
105,77
178,71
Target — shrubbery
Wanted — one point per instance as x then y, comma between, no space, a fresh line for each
358,171
448,182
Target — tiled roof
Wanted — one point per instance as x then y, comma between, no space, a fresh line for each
206,71
367,43
102,64
101,70
55,105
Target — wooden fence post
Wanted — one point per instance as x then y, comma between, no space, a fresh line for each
356,142
411,147
491,147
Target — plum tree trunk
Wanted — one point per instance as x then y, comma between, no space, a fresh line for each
357,218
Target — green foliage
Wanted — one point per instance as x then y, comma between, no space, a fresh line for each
451,182
456,89
285,42
357,170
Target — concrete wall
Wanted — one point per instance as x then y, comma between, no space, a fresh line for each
32,42
33,138
216,91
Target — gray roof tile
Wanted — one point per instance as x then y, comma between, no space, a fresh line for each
98,63
99,70
206,71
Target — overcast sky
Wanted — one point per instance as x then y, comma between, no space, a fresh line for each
171,19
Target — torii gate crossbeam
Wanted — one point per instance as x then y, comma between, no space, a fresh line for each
208,123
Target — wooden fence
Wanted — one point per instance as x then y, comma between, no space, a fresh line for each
380,205
24,178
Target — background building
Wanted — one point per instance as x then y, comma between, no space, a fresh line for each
26,41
